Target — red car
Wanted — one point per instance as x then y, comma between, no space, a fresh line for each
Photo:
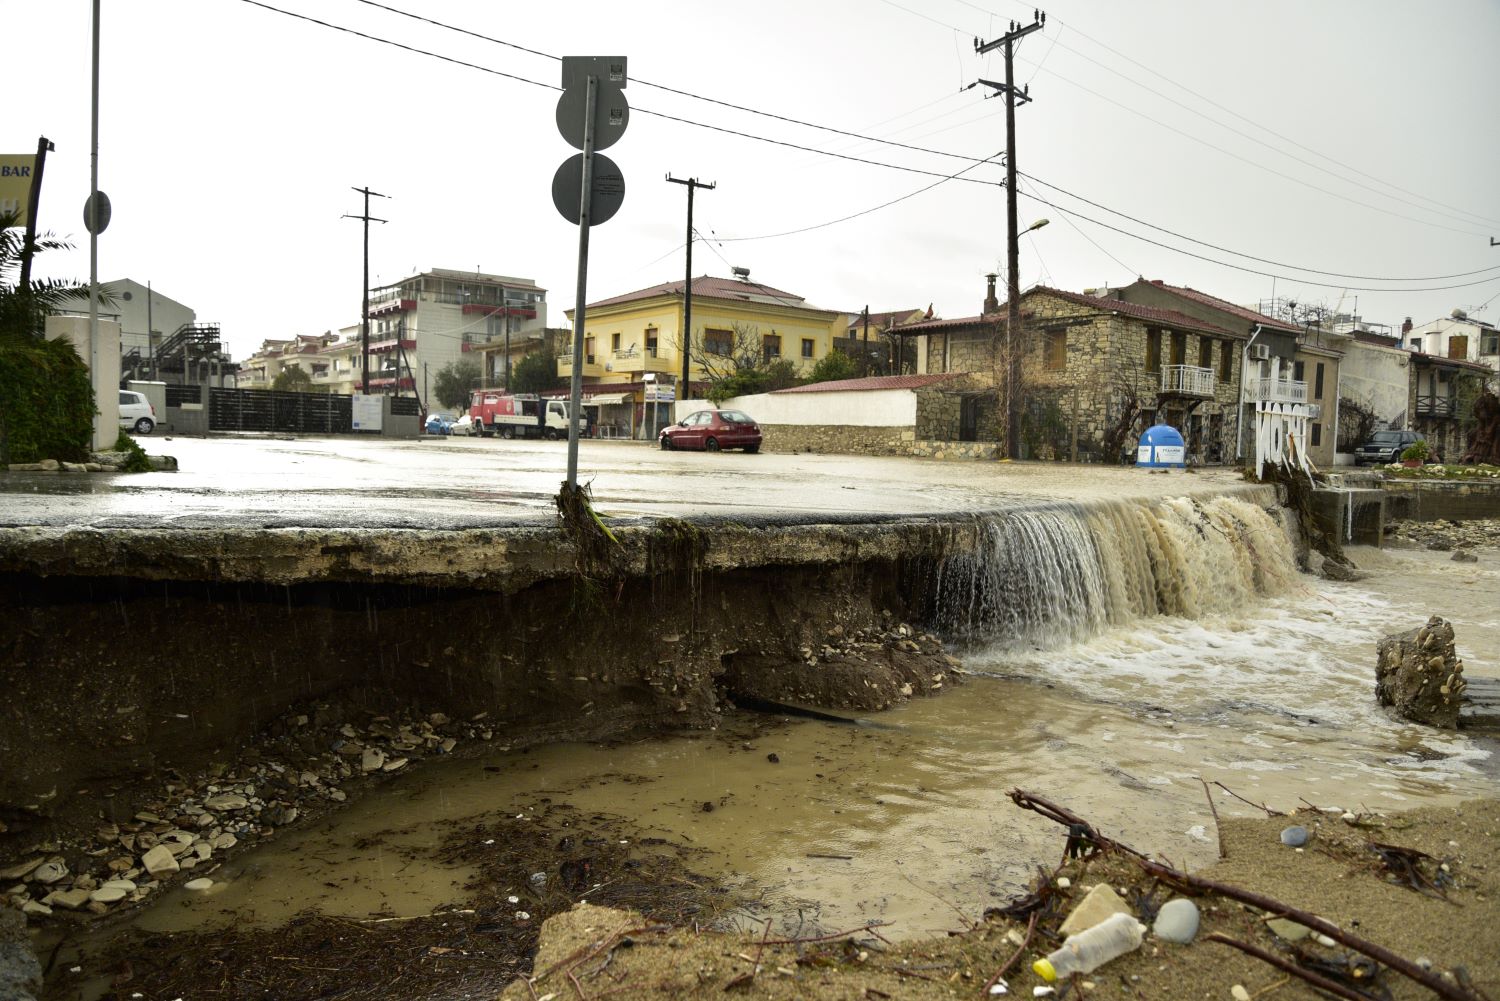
713,430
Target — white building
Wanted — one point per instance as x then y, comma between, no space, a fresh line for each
422,323
146,318
1457,337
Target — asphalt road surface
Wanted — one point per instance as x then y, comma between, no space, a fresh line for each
473,482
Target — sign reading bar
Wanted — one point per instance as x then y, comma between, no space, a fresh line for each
16,172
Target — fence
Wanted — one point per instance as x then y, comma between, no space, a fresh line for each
179,395
269,410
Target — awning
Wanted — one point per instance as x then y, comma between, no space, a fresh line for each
608,399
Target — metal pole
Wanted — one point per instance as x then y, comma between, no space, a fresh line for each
150,349
687,293
364,314
94,228
575,393
1013,265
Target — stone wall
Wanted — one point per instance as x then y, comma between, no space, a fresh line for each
837,439
1429,500
956,449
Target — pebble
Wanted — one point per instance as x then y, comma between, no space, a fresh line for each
108,895
1239,993
160,861
49,872
1324,940
71,899
226,801
1289,931
1177,921
394,764
999,987
1295,836
198,885
372,759
522,916
120,884
1063,882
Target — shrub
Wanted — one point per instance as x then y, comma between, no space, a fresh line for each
1415,452
46,402
835,366
136,461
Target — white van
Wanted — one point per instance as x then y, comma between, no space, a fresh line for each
136,412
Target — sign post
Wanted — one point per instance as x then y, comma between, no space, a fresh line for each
588,188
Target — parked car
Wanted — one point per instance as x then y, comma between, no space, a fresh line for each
712,430
136,412
464,426
439,424
1385,446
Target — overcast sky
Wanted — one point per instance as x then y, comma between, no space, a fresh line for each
231,135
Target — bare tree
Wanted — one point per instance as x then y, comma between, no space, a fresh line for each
1131,399
722,358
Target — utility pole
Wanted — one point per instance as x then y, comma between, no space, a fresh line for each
364,314
866,351
687,286
1008,42
33,205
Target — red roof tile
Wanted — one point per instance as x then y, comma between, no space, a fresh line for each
1214,301
871,382
879,321
1168,317
708,287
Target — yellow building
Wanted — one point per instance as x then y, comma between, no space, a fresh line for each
631,335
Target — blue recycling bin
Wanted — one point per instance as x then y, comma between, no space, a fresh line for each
1161,447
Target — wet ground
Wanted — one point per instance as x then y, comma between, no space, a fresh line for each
470,482
908,822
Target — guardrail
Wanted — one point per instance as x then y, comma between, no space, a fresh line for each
1277,390
1187,380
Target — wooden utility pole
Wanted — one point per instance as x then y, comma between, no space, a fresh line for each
1012,343
866,349
687,286
364,313
33,206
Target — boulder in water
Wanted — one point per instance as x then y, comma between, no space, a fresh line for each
1419,674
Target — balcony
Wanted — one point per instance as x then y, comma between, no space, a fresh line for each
1436,406
386,305
1276,391
1187,380
591,366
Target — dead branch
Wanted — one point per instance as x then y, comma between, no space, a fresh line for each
747,978
1030,930
829,938
1259,806
1218,828
1319,981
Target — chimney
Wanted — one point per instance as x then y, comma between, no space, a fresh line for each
991,304
1406,327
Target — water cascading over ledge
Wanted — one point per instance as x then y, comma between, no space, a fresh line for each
1044,577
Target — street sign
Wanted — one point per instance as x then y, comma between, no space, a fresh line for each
608,189
610,70
611,115
96,214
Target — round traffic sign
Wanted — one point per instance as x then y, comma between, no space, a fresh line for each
611,115
608,189
96,212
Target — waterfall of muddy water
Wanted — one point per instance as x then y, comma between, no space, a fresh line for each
1042,578
1269,689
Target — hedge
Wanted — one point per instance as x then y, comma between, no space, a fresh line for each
46,402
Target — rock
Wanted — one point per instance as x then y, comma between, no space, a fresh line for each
49,465
198,885
20,870
1101,902
119,884
393,765
226,801
1295,836
1289,931
372,759
1177,921
162,463
447,745
20,972
1464,556
225,840
36,907
1239,993
108,895
71,899
337,795
160,861
1413,668
49,872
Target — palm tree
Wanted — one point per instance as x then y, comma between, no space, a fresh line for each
23,311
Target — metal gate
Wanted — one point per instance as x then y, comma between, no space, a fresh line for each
269,410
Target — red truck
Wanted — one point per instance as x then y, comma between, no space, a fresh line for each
521,415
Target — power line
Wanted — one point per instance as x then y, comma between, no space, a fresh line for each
1069,220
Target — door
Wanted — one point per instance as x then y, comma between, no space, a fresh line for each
692,433
968,419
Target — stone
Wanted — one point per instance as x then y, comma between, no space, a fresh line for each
1295,836
1289,931
49,872
108,895
448,745
36,907
1464,556
1413,667
1100,903
160,861
119,884
198,885
71,899
393,765
1239,993
20,870
372,759
225,840
1177,921
337,795
121,864
226,801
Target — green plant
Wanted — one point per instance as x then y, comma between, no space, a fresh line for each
534,373
23,311
135,456
292,380
46,402
455,381
833,367
1417,451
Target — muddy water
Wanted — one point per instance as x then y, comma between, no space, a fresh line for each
1271,696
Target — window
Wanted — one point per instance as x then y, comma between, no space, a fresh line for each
127,398
614,343
1318,383
807,347
651,342
771,346
719,342
588,350
1205,352
1317,432
1299,371
1489,344
1056,354
1458,346
1179,348
1153,350
1226,361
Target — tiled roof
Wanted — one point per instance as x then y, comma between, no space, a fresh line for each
1167,317
708,287
879,321
1422,358
870,382
1243,312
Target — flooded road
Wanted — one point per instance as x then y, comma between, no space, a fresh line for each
1273,697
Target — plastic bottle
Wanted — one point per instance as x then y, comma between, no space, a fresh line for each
1092,948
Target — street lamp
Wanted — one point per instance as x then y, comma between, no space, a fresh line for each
651,378
1036,225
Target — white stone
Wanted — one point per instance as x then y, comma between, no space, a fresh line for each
119,884
198,885
225,840
71,899
1177,921
160,861
1239,993
34,907
395,764
49,872
21,870
226,801
372,759
108,895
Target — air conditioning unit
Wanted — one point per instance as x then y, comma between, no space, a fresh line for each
1315,411
1260,352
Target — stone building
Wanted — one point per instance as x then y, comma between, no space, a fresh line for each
1094,373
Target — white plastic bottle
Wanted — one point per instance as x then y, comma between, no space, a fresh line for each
1092,948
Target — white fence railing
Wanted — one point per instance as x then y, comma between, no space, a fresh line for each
1189,380
1277,391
